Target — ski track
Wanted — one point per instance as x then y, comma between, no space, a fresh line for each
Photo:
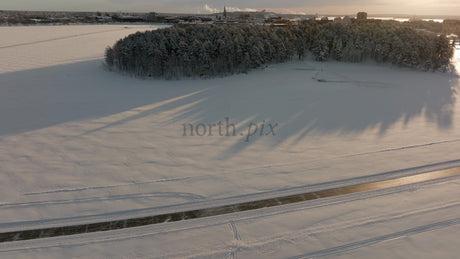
333,251
270,241
60,38
243,170
315,204
359,154
236,239
185,196
108,186
194,201
368,242
406,147
293,236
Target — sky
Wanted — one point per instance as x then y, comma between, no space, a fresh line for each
410,7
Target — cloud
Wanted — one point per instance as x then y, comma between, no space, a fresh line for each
210,9
236,9
207,8
290,11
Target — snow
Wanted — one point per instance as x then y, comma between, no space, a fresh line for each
384,223
79,143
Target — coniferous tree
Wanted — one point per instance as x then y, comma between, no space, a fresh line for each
217,50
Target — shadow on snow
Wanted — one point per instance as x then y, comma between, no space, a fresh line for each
300,97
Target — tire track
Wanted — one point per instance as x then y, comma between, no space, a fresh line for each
181,195
357,222
222,210
292,237
405,147
108,186
81,240
196,201
375,177
355,245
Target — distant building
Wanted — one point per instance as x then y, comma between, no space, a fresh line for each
348,19
452,25
324,20
103,19
130,18
223,17
172,19
151,17
362,16
451,22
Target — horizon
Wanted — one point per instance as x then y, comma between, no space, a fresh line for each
329,7
371,15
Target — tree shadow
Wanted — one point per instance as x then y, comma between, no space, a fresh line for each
43,97
301,98
313,99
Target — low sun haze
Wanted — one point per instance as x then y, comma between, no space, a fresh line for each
409,7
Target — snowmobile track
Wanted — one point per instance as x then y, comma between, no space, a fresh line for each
222,210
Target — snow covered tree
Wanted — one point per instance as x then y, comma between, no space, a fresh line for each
214,50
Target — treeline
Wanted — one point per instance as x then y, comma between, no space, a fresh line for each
216,50
437,27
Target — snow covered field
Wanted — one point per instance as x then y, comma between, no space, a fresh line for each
79,143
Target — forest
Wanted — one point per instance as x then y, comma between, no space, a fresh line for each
220,50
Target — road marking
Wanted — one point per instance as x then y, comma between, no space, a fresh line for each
222,210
